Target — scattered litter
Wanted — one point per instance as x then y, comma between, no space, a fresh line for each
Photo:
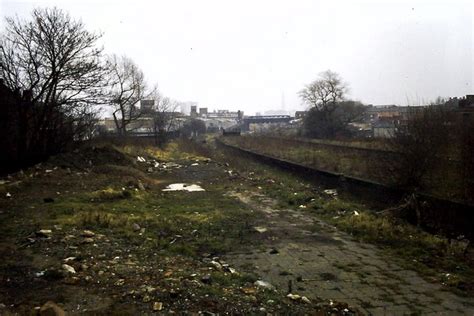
8,195
294,297
141,159
183,187
48,171
195,164
136,227
69,259
88,233
157,306
332,192
231,270
248,290
2,182
216,265
356,213
264,285
44,233
306,300
40,273
120,282
206,279
302,206
88,240
260,229
140,186
157,164
68,269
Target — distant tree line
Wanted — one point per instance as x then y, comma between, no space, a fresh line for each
428,139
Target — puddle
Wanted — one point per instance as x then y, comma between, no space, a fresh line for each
183,187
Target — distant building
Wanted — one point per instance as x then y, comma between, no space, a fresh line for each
202,112
386,119
383,129
145,125
264,122
185,107
225,114
193,111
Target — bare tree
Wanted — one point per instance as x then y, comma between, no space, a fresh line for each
420,142
329,113
55,60
164,117
324,92
128,88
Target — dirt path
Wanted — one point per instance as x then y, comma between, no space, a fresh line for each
323,262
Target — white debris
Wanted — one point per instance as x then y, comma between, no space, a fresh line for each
216,265
294,297
48,171
306,300
88,233
260,229
157,164
45,232
69,269
331,192
356,213
183,187
69,259
302,206
263,284
141,159
195,164
8,195
232,270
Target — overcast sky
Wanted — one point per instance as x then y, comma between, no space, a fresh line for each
249,54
